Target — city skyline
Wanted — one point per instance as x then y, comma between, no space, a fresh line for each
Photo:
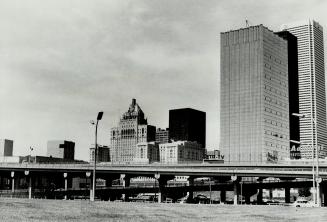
62,62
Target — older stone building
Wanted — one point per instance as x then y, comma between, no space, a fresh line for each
132,129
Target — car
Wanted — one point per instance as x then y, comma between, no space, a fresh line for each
201,199
302,202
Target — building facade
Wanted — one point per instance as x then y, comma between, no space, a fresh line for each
213,156
254,111
293,88
180,152
187,124
103,154
6,147
312,95
132,129
162,136
61,149
146,152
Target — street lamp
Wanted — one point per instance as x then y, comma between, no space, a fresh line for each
315,175
99,117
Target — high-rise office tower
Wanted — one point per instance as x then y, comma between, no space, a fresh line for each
254,113
6,147
187,125
293,91
133,128
312,95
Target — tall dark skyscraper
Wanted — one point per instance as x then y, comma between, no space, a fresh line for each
187,124
293,85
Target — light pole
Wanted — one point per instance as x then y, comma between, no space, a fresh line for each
315,175
99,117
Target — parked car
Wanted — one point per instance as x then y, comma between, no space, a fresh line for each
201,199
302,202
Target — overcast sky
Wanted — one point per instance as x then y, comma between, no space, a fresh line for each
63,61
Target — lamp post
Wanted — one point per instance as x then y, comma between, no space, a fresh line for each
99,117
315,174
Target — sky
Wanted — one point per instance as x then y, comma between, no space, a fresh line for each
61,62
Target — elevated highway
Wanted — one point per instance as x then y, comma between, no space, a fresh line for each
230,176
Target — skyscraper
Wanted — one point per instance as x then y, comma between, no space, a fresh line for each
254,113
293,90
133,128
187,125
312,95
6,147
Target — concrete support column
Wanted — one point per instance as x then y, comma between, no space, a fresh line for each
323,187
271,194
319,192
109,181
88,178
247,198
259,195
191,184
29,181
162,181
66,184
222,196
235,180
30,188
287,195
12,174
125,179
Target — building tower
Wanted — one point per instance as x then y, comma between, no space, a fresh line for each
312,95
293,92
6,147
187,125
133,128
61,149
254,112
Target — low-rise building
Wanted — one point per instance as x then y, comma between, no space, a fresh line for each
103,154
213,156
162,136
146,152
180,152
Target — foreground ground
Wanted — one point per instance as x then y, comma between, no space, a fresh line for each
83,210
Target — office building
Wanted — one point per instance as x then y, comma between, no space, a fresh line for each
146,152
162,135
61,149
133,128
312,95
293,89
6,147
180,152
187,125
103,154
254,111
